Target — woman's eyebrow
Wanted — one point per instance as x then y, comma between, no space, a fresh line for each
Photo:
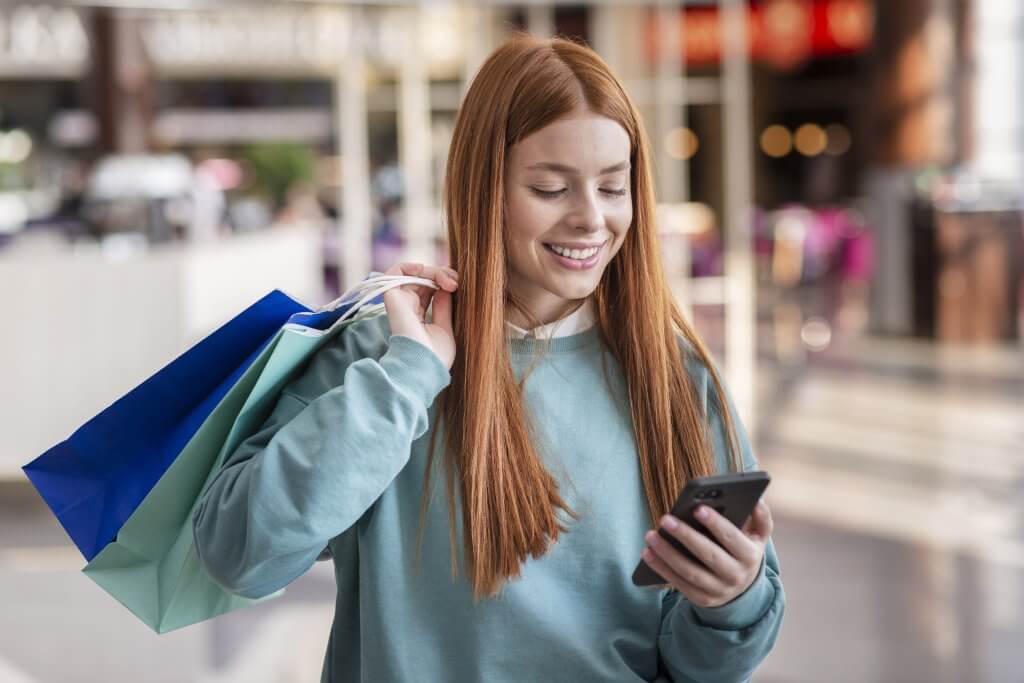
561,168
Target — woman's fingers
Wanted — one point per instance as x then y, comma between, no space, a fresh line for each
760,525
405,268
732,539
446,278
442,311
693,593
720,562
407,306
682,566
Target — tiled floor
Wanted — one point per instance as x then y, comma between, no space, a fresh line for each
899,484
898,491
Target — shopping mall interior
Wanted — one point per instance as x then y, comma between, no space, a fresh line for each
840,188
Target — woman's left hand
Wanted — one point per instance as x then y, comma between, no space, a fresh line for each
731,567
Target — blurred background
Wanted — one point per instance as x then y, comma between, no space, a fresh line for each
840,187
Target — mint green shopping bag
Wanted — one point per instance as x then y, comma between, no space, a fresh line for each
152,567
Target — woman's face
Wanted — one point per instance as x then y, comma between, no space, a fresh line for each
568,208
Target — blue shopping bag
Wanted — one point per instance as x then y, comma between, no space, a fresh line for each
95,480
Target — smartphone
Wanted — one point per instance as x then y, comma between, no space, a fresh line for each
734,496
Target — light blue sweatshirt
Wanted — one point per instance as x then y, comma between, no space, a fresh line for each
339,467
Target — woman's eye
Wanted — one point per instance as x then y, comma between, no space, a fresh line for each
551,194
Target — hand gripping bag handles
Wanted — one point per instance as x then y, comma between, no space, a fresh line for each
114,480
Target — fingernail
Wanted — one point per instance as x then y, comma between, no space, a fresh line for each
669,522
650,537
702,512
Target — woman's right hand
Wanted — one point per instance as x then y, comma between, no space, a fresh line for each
407,306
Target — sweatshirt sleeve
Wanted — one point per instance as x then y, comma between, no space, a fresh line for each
337,437
723,644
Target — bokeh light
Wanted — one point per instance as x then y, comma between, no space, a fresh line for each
681,143
839,139
810,139
776,141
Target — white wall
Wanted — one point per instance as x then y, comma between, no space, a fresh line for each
78,330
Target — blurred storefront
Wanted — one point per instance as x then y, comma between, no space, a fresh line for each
841,192
801,149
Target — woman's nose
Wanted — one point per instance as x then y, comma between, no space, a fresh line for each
588,213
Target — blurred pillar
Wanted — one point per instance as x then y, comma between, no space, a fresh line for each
998,88
122,83
670,115
605,27
479,34
414,146
910,121
670,102
914,100
355,242
540,20
740,310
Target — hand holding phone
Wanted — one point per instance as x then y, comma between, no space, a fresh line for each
690,556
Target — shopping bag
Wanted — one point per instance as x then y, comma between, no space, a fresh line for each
95,479
152,567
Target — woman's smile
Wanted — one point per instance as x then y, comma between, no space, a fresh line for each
575,256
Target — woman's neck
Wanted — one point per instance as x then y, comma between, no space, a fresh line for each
517,317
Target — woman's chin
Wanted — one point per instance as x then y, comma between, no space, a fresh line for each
576,290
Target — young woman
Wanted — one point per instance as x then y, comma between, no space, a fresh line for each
568,402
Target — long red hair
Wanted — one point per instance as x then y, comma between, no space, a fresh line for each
510,502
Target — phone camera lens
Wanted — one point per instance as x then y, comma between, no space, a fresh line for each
715,493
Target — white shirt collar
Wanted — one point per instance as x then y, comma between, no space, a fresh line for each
581,319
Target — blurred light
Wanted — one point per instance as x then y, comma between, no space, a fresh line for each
791,228
685,218
776,141
838,139
226,173
72,128
811,139
816,334
851,23
439,33
967,190
790,231
681,143
13,213
15,147
150,176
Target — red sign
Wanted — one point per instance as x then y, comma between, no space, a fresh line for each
783,33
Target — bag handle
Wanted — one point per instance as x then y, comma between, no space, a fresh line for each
368,290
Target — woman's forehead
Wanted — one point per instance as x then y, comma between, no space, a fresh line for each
588,144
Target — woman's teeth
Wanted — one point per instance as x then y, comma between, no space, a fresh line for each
576,254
